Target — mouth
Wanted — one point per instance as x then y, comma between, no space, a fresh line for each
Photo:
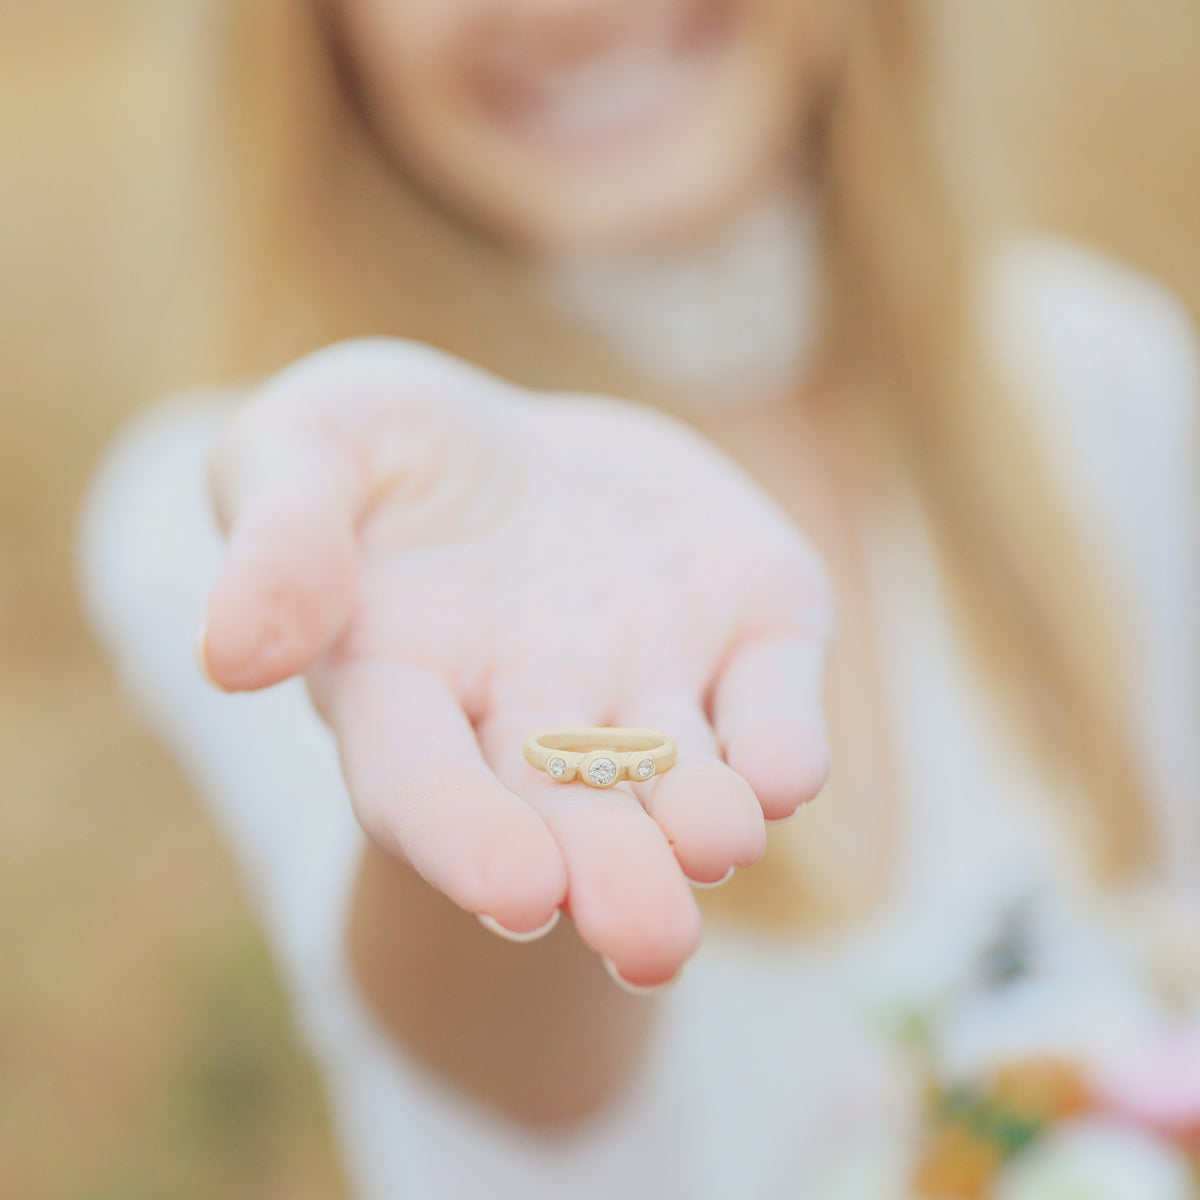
622,85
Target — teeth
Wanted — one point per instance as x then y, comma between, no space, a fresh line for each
593,99
601,75
644,73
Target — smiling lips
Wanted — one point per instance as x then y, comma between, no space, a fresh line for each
615,82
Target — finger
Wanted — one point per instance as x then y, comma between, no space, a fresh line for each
627,896
767,713
291,496
421,790
708,812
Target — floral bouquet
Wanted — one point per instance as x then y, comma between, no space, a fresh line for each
1053,1129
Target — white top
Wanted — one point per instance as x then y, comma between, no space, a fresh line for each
724,324
775,1075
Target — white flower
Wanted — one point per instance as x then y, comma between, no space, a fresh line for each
1097,1160
1085,1019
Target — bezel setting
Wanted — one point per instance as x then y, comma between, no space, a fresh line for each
600,769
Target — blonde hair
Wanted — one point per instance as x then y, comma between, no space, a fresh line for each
904,281
310,211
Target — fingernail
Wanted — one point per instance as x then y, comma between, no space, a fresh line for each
714,882
201,662
511,934
635,989
783,820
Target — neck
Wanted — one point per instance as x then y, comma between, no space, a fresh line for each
726,325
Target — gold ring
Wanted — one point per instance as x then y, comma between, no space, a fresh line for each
600,755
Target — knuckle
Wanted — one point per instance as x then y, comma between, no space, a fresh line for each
390,370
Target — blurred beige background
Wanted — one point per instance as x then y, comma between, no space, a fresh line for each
145,1046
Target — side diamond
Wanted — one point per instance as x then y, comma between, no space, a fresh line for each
557,767
645,768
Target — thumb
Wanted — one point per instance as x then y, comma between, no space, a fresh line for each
295,475
289,493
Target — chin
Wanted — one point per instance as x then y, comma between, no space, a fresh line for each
612,222
650,193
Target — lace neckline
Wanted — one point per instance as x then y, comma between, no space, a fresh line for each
724,324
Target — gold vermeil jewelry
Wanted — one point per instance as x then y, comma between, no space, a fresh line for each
600,755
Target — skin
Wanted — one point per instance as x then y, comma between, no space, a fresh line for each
453,562
574,126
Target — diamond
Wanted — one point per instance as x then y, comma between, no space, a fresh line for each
645,768
602,771
557,767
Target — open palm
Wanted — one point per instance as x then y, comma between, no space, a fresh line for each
455,562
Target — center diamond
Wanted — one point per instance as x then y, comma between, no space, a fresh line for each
602,771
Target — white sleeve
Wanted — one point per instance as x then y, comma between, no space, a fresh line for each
1110,360
148,552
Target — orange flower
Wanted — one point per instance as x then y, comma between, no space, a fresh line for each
958,1164
1041,1089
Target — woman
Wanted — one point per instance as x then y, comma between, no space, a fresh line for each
734,213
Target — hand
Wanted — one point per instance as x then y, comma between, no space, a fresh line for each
455,562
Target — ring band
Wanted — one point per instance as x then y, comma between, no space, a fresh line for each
600,755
